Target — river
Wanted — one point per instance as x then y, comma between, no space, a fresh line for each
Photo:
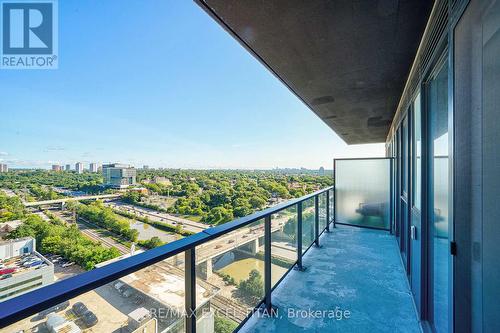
147,231
240,269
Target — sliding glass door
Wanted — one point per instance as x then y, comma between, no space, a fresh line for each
438,201
403,199
416,201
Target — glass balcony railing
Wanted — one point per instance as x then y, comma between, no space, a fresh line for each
215,278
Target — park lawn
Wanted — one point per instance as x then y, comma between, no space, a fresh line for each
194,218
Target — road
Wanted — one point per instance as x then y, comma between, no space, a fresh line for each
223,243
240,237
57,201
188,225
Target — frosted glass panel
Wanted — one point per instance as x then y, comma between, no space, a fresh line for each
363,192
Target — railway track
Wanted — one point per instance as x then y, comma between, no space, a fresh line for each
228,308
86,228
103,240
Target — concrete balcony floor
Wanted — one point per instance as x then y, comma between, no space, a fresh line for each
358,270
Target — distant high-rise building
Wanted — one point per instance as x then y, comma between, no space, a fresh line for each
321,171
119,175
79,167
56,167
94,167
68,167
145,167
4,168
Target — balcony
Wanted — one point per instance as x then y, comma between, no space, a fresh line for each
330,251
355,280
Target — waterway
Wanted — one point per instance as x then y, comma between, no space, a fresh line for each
240,269
147,231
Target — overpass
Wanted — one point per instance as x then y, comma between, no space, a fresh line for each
245,239
64,200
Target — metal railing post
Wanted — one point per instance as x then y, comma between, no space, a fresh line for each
267,263
190,290
334,192
316,220
300,267
327,210
391,198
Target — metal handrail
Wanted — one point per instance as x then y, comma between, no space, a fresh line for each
25,305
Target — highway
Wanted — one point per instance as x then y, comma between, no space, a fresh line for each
58,201
240,237
188,225
223,244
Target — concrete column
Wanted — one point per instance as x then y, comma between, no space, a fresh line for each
206,269
254,246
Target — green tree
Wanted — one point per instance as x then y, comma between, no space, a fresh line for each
224,325
253,286
151,243
219,215
66,241
257,202
11,208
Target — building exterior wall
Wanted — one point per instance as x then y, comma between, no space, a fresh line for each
79,167
477,107
93,167
25,281
22,283
472,40
18,247
118,175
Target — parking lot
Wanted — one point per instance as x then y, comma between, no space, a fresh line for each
110,319
63,269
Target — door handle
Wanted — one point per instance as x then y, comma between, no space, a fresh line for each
413,232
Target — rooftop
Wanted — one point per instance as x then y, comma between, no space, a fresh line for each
11,241
160,282
26,263
357,274
116,165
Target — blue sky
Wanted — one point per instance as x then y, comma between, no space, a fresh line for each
157,83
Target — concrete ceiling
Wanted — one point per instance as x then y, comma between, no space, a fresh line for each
347,60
